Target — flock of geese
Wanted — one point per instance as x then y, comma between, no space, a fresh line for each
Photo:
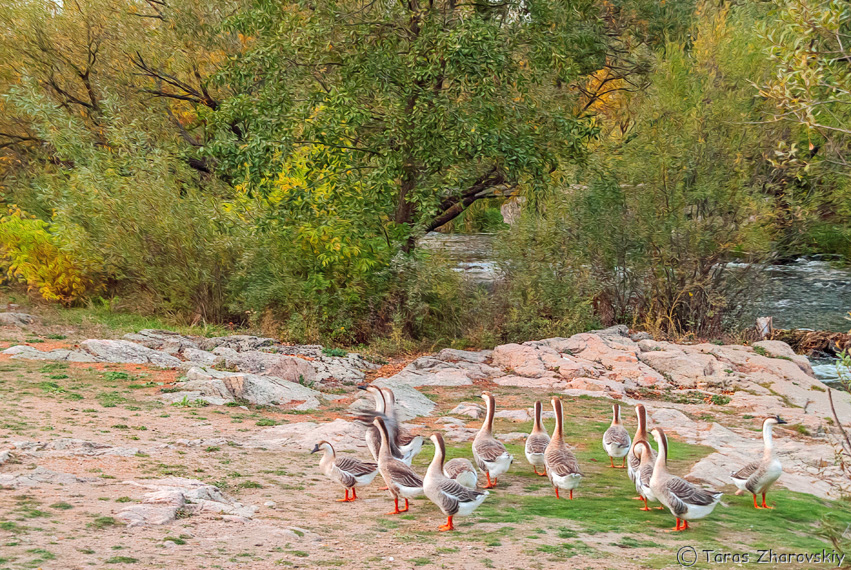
453,485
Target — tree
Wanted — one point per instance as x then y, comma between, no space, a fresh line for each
435,105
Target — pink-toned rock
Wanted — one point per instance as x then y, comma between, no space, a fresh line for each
571,367
524,382
525,360
596,385
683,370
636,374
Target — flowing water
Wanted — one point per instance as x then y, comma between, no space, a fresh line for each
810,293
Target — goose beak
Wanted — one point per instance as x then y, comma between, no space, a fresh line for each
781,420
362,386
315,449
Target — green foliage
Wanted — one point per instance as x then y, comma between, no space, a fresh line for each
29,252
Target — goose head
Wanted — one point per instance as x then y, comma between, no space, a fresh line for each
776,420
322,445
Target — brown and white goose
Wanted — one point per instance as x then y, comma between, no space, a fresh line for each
409,444
562,467
490,455
644,473
632,458
616,440
463,471
536,443
448,494
349,472
686,501
758,476
400,478
373,436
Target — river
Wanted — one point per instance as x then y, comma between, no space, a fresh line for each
810,293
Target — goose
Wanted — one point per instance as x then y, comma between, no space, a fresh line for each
758,476
409,445
350,472
616,440
490,455
686,501
644,474
561,464
373,437
448,494
536,443
633,461
463,471
400,478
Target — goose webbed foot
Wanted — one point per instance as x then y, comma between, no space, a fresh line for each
347,499
448,525
764,506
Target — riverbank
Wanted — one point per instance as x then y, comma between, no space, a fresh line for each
165,449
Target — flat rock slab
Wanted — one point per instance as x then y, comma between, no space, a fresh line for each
410,402
126,352
169,495
60,354
17,319
256,389
341,434
39,476
68,447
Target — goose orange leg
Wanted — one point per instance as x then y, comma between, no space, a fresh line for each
491,484
354,494
396,511
755,505
347,499
645,507
405,510
544,474
448,525
612,462
556,488
571,494
764,506
623,464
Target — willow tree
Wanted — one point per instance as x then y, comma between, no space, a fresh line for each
432,105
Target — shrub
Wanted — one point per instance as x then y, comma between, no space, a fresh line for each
32,254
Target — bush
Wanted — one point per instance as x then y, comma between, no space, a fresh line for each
33,255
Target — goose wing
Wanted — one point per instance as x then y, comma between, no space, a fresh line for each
618,436
562,462
682,492
455,467
746,471
645,472
354,466
453,493
403,475
488,449
537,443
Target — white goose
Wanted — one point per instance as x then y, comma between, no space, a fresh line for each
463,471
562,467
349,472
616,440
448,494
400,478
490,455
758,476
536,443
686,501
